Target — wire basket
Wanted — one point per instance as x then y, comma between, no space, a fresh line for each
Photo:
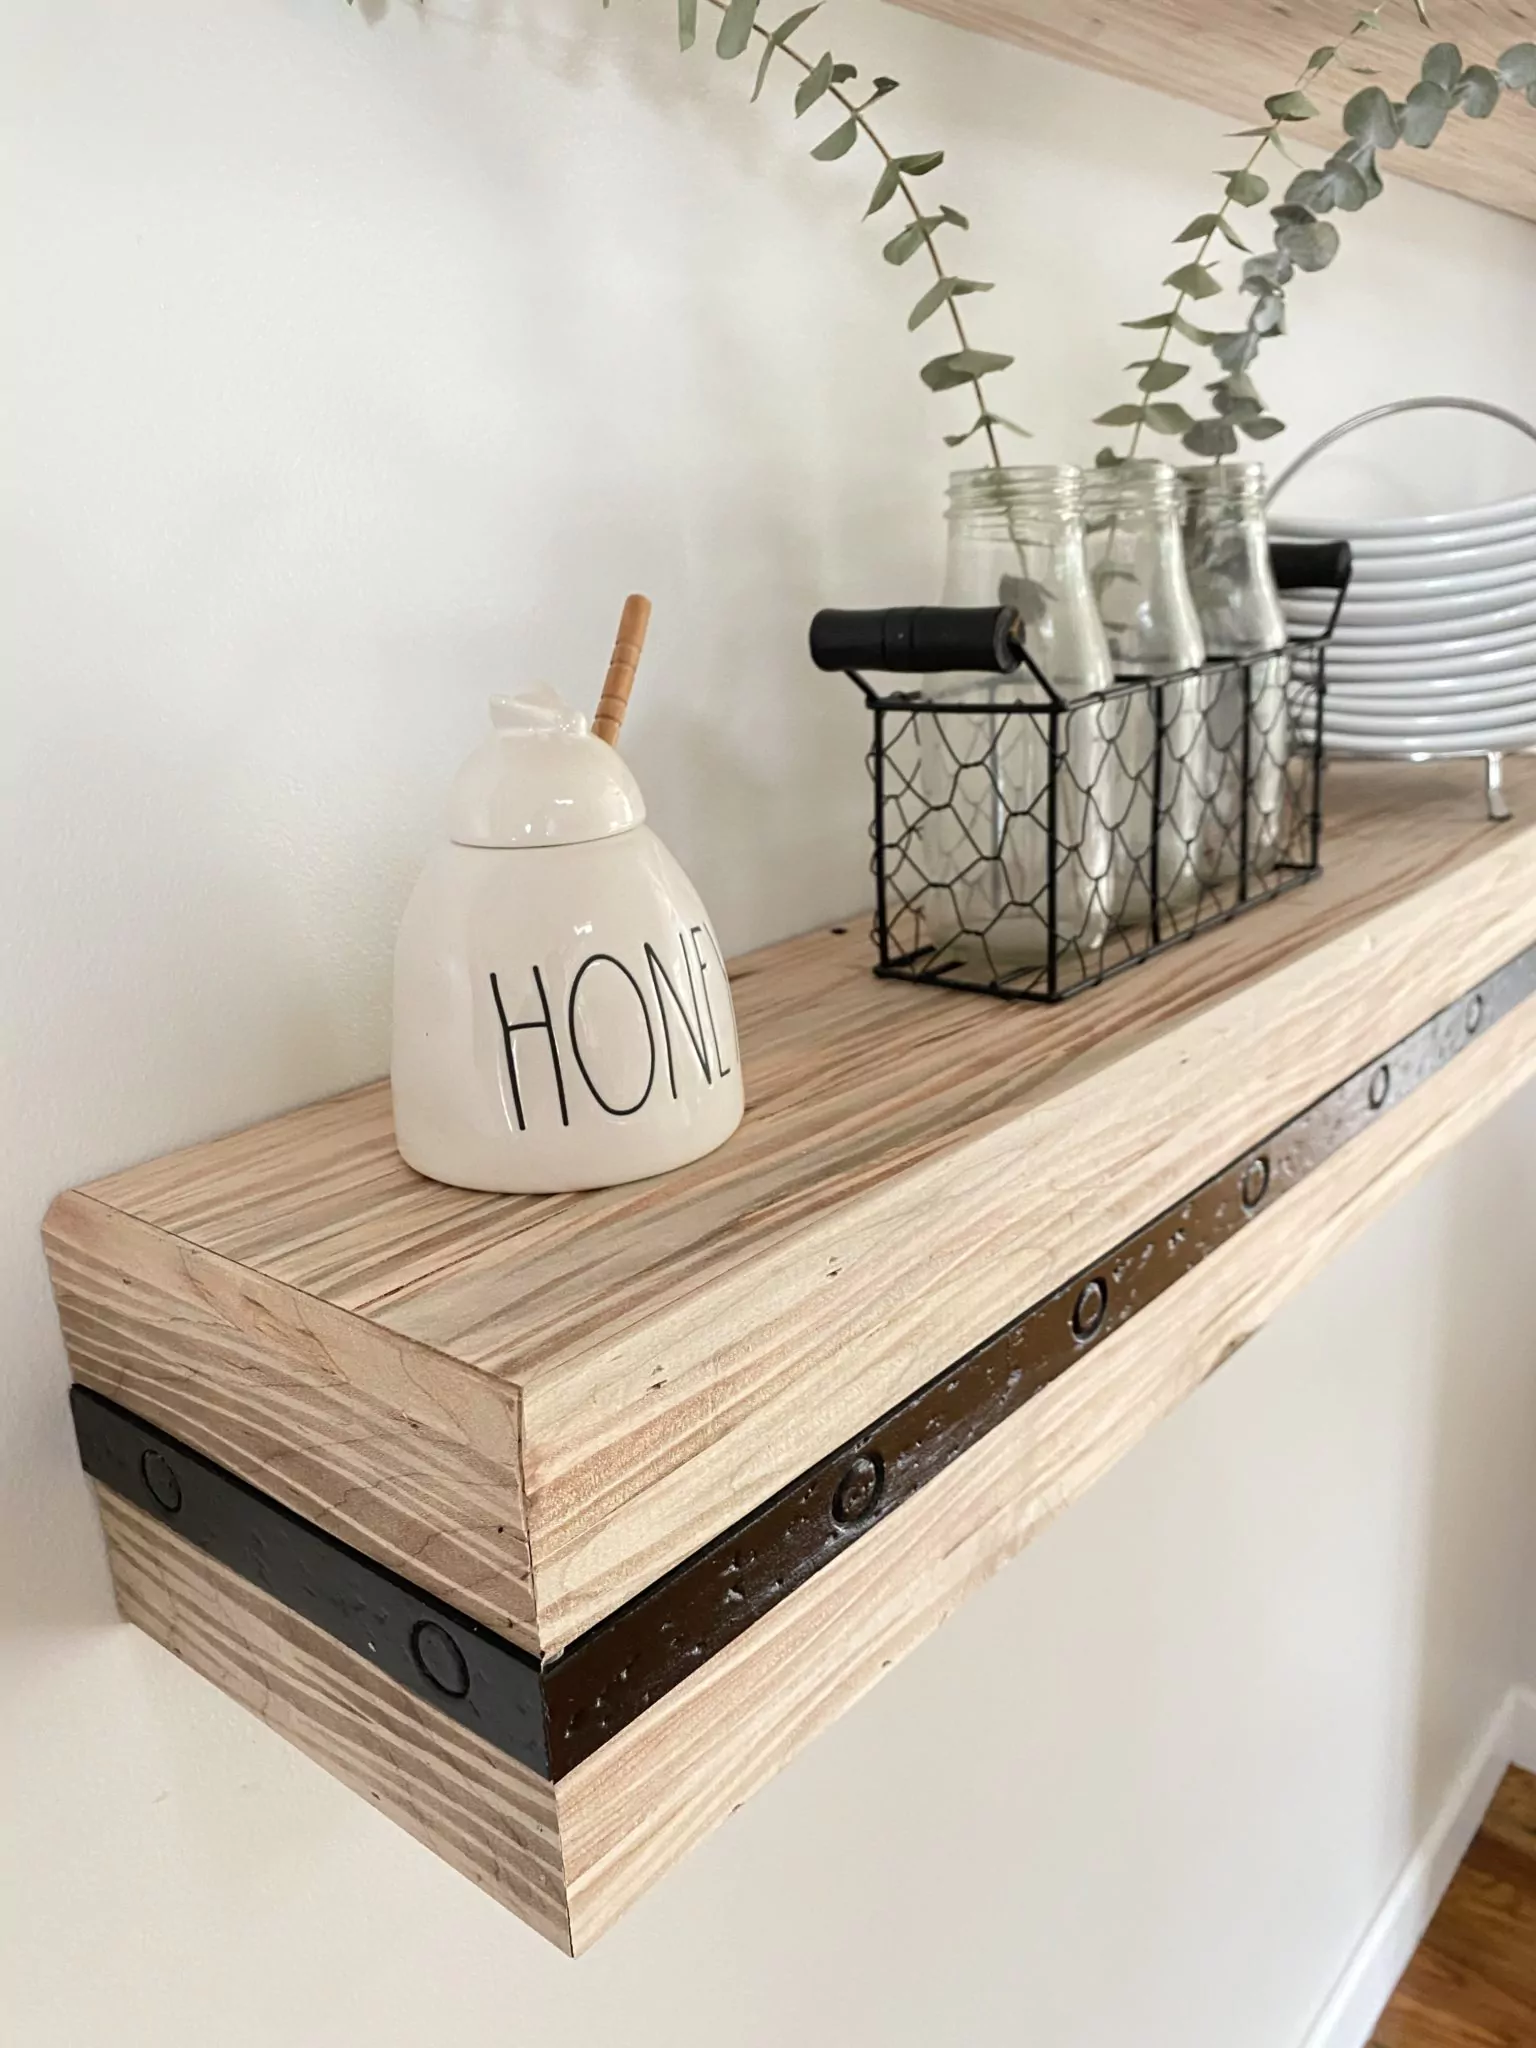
1028,846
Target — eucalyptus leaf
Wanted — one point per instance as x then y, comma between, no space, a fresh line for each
1311,245
920,164
841,73
1371,117
1161,376
1311,191
1235,398
1517,67
813,85
1266,273
880,88
1442,65
776,40
1152,323
956,220
908,240
736,27
1264,428
838,143
887,185
1211,438
1290,213
940,294
687,23
1235,351
1120,416
1348,186
1168,417
1268,316
1289,106
1200,229
1322,57
1107,459
1424,113
1246,188
1478,92
1194,281
959,440
962,366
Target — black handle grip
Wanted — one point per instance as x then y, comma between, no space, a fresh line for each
1311,564
915,640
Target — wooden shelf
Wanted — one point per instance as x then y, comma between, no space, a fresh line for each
626,1450
1229,55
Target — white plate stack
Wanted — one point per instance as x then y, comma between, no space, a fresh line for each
1435,649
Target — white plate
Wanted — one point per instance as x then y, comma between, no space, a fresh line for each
1401,607
1435,684
1396,626
1477,728
1508,740
1433,724
1371,571
1389,704
1369,548
1471,519
1485,655
1365,593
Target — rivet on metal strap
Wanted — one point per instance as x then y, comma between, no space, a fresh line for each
1254,1185
858,1491
439,1659
1088,1310
160,1478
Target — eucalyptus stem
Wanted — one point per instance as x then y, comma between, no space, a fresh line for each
1303,240
987,421
1195,279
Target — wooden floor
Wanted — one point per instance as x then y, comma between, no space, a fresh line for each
1472,1983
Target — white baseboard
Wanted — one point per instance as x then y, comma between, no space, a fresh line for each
1352,2008
1522,1727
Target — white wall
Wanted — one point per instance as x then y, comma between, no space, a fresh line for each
361,362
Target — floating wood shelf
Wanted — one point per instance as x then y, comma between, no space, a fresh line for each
1230,54
555,1525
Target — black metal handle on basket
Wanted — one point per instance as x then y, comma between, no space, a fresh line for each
920,640
1314,565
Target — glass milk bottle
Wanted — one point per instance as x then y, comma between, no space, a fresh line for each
1136,563
1016,539
1226,553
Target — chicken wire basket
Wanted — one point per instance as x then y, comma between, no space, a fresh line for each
1029,846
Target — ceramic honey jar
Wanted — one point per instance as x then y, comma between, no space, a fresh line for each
562,1014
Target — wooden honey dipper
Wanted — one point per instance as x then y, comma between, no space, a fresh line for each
618,682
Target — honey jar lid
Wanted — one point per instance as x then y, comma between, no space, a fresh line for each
540,778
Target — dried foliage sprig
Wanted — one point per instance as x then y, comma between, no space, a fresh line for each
826,77
1303,240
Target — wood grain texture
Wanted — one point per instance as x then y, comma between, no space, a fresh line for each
480,1811
1472,1983
636,1806
572,1858
399,1451
914,1169
1229,55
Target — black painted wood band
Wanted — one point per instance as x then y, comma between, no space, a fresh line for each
551,1717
